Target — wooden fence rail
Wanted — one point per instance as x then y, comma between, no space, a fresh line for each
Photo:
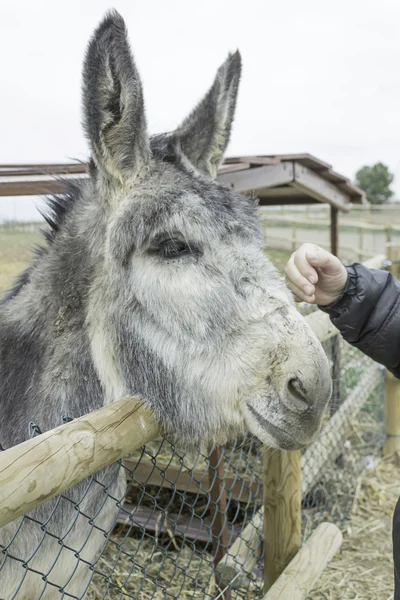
245,552
299,577
294,225
45,466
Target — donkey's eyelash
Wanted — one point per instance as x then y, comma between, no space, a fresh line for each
171,248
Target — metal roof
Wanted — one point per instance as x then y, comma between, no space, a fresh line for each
275,179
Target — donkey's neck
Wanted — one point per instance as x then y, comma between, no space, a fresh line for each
46,366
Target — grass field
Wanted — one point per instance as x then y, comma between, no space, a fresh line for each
16,253
279,258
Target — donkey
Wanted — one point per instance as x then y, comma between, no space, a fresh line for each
153,283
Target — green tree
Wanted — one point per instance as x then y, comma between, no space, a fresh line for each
375,181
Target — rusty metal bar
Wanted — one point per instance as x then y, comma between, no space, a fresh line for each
219,518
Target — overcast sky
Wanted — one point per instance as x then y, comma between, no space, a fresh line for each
319,77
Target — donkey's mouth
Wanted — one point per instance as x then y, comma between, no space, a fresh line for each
283,439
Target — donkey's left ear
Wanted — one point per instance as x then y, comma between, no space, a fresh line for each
204,135
114,118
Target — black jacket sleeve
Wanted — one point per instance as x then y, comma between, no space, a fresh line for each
368,315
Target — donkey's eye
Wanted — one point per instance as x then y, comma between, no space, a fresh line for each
174,249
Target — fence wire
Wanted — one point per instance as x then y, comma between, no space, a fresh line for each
182,511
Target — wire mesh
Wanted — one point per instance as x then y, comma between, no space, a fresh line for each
352,434
182,511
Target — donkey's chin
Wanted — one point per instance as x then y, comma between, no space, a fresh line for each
270,434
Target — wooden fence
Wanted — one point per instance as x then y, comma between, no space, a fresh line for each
45,466
367,213
359,230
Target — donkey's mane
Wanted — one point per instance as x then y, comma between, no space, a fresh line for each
58,206
56,209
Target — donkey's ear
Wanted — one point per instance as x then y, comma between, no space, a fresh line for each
114,118
204,135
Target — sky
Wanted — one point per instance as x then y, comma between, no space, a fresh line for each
318,77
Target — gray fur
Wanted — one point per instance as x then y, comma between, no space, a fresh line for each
204,135
114,118
153,283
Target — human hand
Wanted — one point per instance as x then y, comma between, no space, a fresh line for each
315,275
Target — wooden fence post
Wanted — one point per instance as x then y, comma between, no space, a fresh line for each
392,414
392,385
294,236
334,230
361,244
335,344
282,511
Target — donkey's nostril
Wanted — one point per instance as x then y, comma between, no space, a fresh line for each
298,394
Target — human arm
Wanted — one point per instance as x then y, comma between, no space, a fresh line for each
364,304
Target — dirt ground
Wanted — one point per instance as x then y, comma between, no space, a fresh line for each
362,569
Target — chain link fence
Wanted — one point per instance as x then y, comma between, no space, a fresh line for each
188,516
351,437
182,512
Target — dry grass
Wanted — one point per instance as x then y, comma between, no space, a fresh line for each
363,569
16,252
155,574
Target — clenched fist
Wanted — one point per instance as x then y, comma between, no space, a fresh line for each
315,275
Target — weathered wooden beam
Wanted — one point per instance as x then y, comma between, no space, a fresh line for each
321,325
329,444
308,181
334,230
326,448
31,188
47,465
392,414
335,341
269,198
259,177
48,166
244,554
282,511
300,576
191,481
23,170
392,385
156,521
233,167
276,218
376,262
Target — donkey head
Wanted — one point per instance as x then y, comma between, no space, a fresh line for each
184,308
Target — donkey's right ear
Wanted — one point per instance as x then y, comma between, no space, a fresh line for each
114,118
